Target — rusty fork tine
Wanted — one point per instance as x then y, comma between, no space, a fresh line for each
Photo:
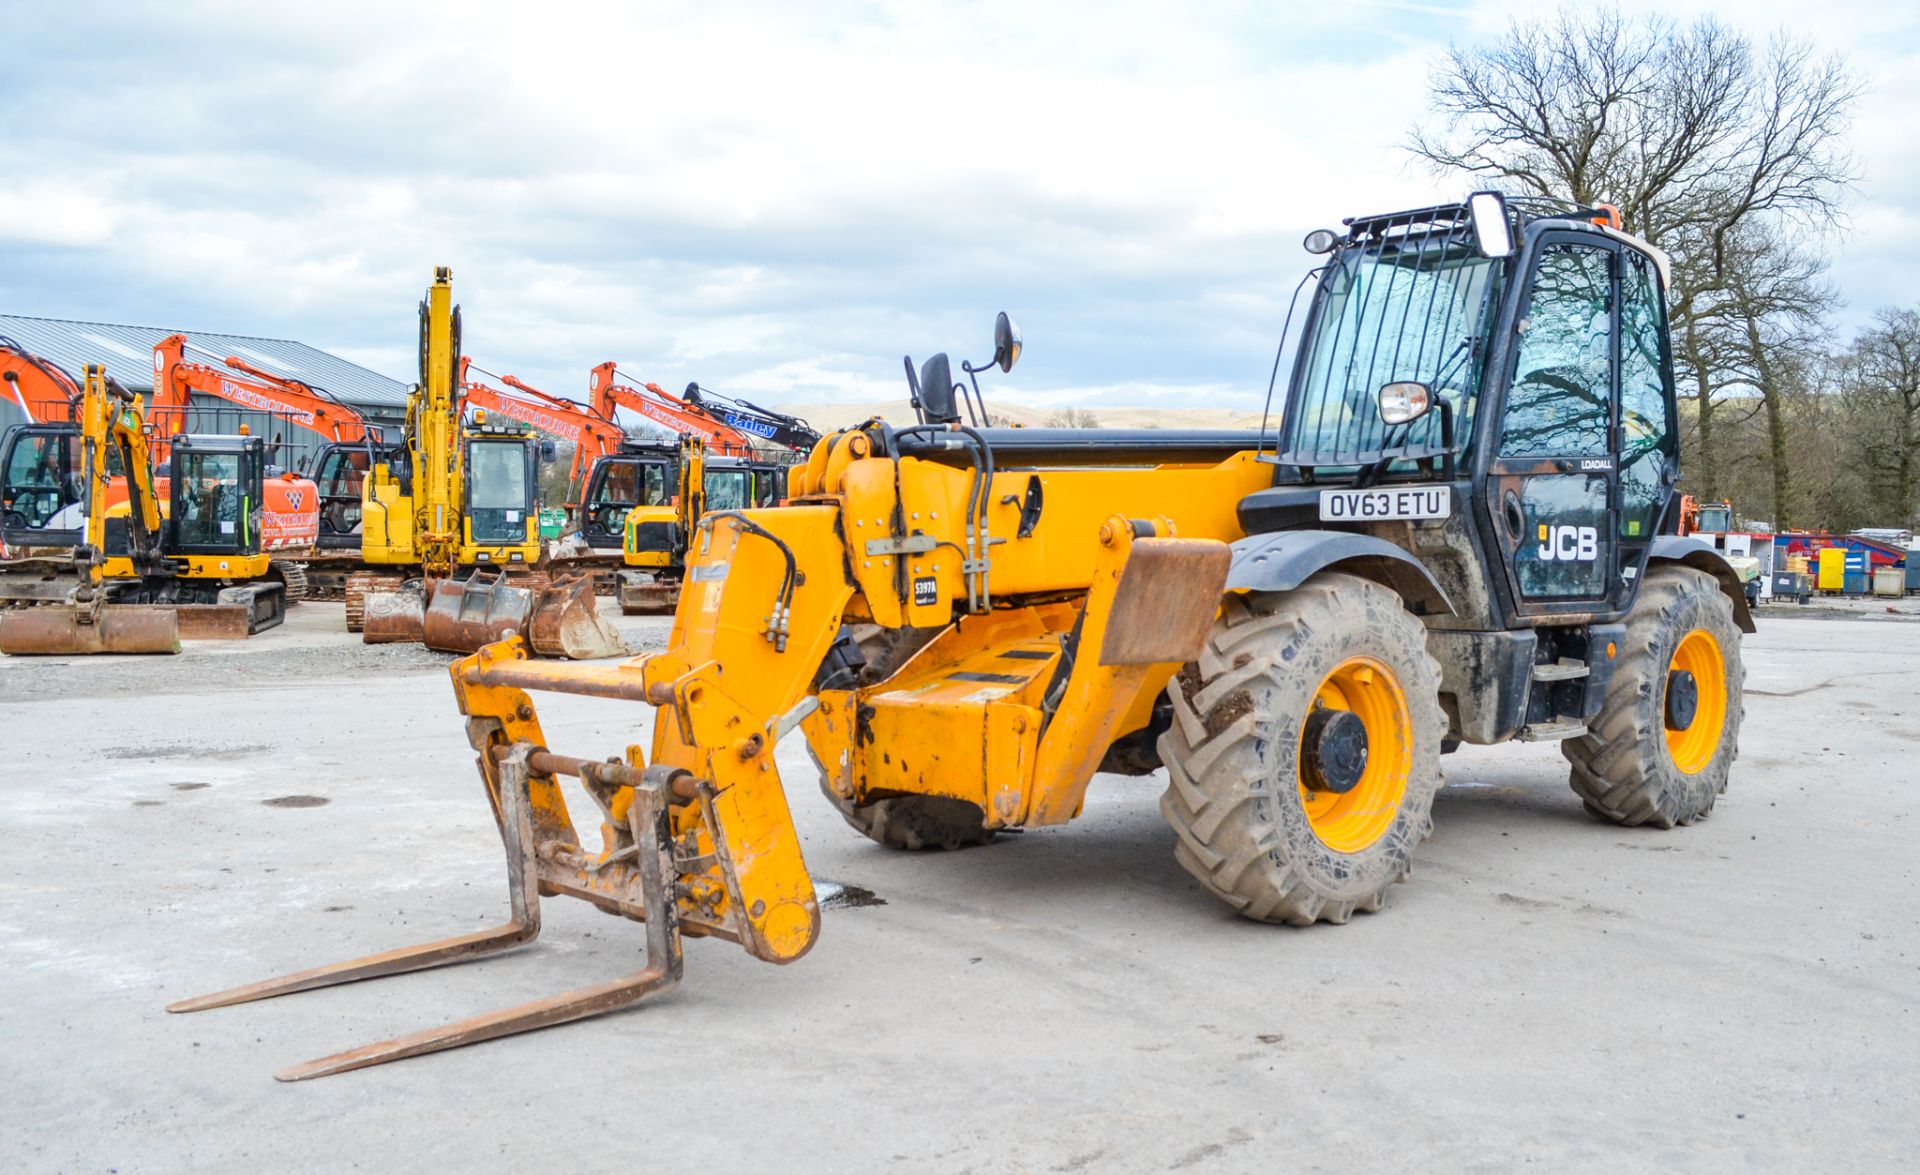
572,1005
647,820
523,892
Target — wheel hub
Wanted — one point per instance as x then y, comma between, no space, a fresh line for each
1683,699
1336,750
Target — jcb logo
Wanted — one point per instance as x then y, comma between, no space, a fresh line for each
1569,544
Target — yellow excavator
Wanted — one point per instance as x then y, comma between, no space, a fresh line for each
1462,529
654,539
655,536
141,580
458,498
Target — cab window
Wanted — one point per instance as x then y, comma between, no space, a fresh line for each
1646,419
1558,402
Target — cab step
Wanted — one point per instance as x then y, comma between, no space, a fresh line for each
1552,732
1565,669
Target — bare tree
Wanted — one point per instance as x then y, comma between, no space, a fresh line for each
1073,418
1765,328
1700,138
1880,377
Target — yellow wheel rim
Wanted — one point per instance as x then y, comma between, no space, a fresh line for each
1698,653
1348,822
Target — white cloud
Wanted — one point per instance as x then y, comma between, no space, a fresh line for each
775,200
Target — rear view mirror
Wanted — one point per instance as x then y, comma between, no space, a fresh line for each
1491,229
549,451
936,390
1404,402
1006,342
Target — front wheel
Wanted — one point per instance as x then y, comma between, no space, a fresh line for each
1305,751
1659,751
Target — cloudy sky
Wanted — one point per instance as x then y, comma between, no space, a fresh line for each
779,199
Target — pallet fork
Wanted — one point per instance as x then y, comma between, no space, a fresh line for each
635,883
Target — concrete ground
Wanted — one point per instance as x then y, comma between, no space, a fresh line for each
1546,989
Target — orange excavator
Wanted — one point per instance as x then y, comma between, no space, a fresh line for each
592,435
734,433
295,510
677,415
37,386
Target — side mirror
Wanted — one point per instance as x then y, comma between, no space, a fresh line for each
549,451
936,390
1491,228
1006,342
1401,403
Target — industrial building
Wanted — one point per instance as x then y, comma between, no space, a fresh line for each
127,353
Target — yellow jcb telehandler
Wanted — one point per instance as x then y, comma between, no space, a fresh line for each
1460,531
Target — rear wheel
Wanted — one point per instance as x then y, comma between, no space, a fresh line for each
1660,749
1305,751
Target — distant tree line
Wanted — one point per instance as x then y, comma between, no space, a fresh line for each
1732,157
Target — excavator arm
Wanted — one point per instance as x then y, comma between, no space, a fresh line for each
606,394
592,435
39,387
176,378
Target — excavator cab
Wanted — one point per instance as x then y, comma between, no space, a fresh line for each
217,484
638,476
502,523
42,486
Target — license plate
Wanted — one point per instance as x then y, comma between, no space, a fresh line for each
1385,505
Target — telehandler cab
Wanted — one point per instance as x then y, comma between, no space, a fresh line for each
1458,532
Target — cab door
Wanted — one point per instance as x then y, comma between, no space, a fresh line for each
43,499
1552,482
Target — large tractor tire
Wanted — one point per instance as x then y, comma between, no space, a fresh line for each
1305,751
1659,751
904,822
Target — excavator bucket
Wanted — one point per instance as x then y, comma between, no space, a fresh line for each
642,594
464,614
566,622
397,616
65,629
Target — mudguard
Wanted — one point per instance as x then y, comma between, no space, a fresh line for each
1282,560
1700,555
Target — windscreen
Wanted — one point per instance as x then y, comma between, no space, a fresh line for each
632,483
727,489
1410,308
499,490
210,505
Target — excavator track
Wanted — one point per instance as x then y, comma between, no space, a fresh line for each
358,584
294,577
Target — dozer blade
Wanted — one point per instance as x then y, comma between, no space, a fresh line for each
115,628
464,614
651,873
648,596
566,623
241,613
393,617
